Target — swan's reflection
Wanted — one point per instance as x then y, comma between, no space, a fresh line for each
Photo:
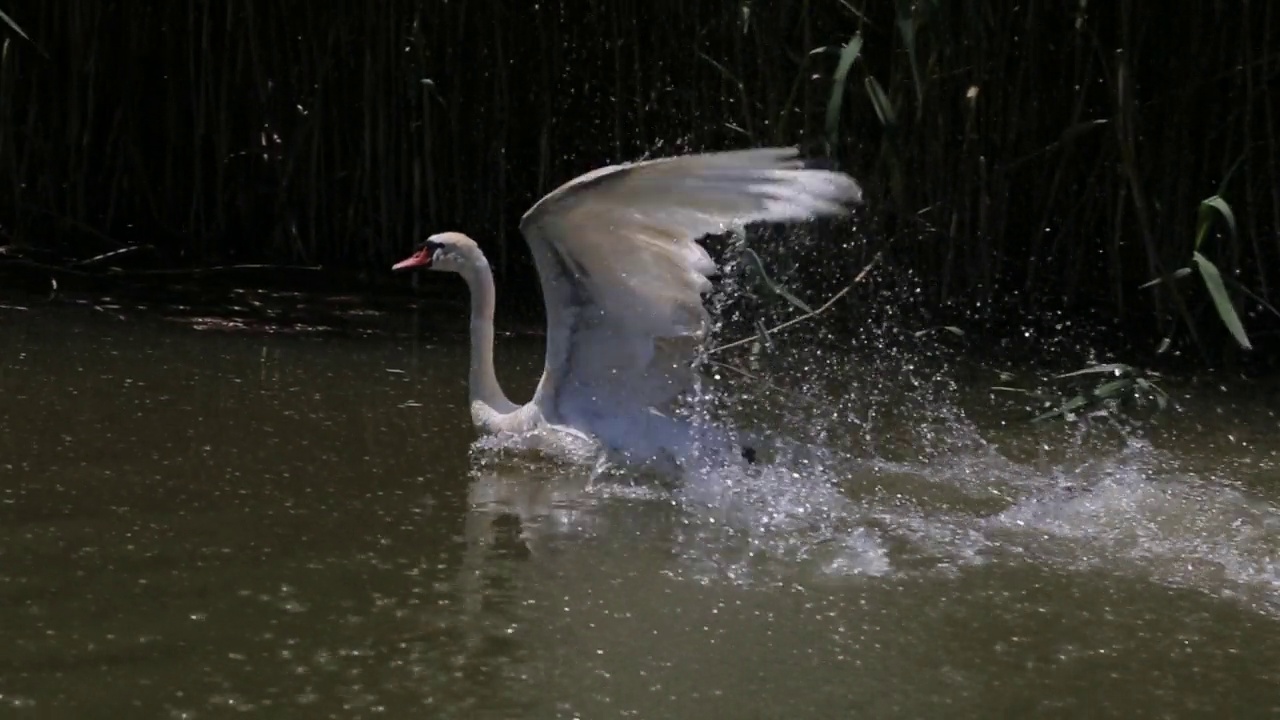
513,509
480,646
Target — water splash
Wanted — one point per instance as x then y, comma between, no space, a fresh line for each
887,462
1179,529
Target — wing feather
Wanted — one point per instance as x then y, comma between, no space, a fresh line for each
623,274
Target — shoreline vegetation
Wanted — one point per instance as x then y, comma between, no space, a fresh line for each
1051,174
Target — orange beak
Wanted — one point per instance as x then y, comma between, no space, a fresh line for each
422,258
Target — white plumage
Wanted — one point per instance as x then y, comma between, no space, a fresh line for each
622,278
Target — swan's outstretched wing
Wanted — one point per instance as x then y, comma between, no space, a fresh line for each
623,275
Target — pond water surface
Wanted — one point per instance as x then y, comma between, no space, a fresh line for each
206,524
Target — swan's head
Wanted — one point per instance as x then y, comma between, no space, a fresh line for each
448,251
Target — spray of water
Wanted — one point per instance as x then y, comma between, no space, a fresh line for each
879,461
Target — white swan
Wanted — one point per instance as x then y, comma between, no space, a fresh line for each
622,280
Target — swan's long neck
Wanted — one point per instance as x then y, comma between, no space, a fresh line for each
487,399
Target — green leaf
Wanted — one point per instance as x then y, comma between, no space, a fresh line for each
1222,186
758,265
1204,217
1067,408
1079,129
1109,389
1162,397
847,57
1257,298
907,29
1221,301
880,101
948,328
1176,275
849,6
1217,203
1095,369
1023,391
9,21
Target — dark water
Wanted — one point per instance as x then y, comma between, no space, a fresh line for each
204,524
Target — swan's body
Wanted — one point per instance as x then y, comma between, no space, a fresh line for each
622,279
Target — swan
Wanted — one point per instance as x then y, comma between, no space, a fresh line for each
622,278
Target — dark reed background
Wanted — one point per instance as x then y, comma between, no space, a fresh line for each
1040,158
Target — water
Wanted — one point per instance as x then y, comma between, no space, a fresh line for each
196,523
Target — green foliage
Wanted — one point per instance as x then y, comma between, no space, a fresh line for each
880,101
847,57
1204,220
13,26
1221,301
768,284
1107,389
943,328
1214,282
1038,153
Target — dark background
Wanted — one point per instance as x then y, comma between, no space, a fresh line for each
1043,159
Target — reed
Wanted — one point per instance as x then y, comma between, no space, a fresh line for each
1035,156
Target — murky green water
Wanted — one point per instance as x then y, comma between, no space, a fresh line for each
197,523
